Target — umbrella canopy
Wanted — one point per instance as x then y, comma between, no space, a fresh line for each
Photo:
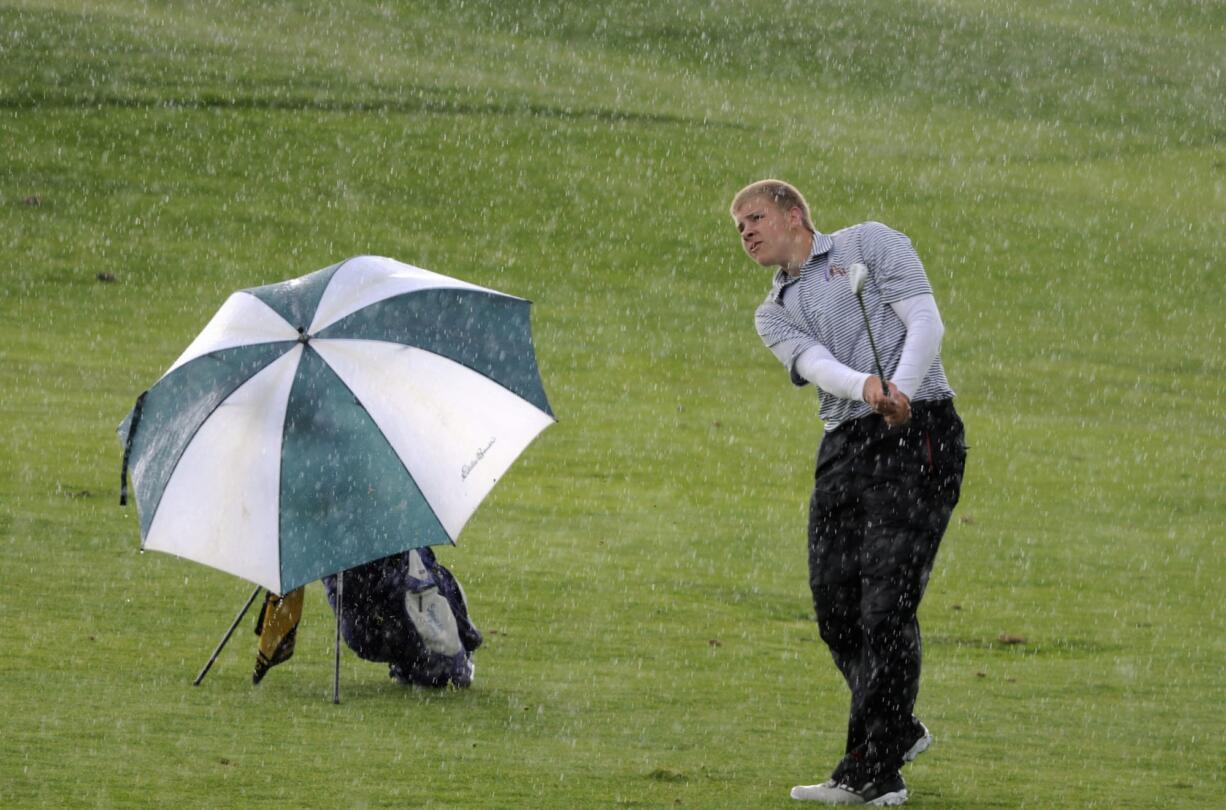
323,422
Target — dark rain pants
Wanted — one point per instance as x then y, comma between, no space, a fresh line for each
882,498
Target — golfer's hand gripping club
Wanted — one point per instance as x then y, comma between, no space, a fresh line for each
895,407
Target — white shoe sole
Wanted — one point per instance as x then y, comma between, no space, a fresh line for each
921,745
827,793
812,793
889,799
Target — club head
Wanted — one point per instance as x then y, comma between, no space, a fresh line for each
857,274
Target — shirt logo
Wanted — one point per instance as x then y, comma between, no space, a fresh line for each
835,270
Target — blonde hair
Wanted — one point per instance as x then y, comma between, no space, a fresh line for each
783,195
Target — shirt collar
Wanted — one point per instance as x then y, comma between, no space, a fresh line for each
820,247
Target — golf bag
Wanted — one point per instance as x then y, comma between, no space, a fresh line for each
409,612
277,627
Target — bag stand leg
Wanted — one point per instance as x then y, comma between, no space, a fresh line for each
226,637
336,675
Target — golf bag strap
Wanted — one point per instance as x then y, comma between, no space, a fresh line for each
127,447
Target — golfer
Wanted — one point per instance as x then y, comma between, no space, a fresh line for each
889,468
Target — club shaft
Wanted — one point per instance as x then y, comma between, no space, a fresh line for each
885,388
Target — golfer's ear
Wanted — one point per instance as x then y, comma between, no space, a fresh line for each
796,216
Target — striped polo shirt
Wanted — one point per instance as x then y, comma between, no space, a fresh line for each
818,307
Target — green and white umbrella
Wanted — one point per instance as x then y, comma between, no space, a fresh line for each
334,419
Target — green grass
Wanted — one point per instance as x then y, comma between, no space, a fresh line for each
640,573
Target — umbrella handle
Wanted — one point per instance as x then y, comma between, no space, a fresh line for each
340,599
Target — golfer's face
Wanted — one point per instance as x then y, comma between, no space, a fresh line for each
764,231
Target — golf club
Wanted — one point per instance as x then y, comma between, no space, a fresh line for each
857,274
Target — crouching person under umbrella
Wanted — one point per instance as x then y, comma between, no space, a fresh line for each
407,611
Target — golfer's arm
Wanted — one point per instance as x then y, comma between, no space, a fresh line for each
924,332
817,365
